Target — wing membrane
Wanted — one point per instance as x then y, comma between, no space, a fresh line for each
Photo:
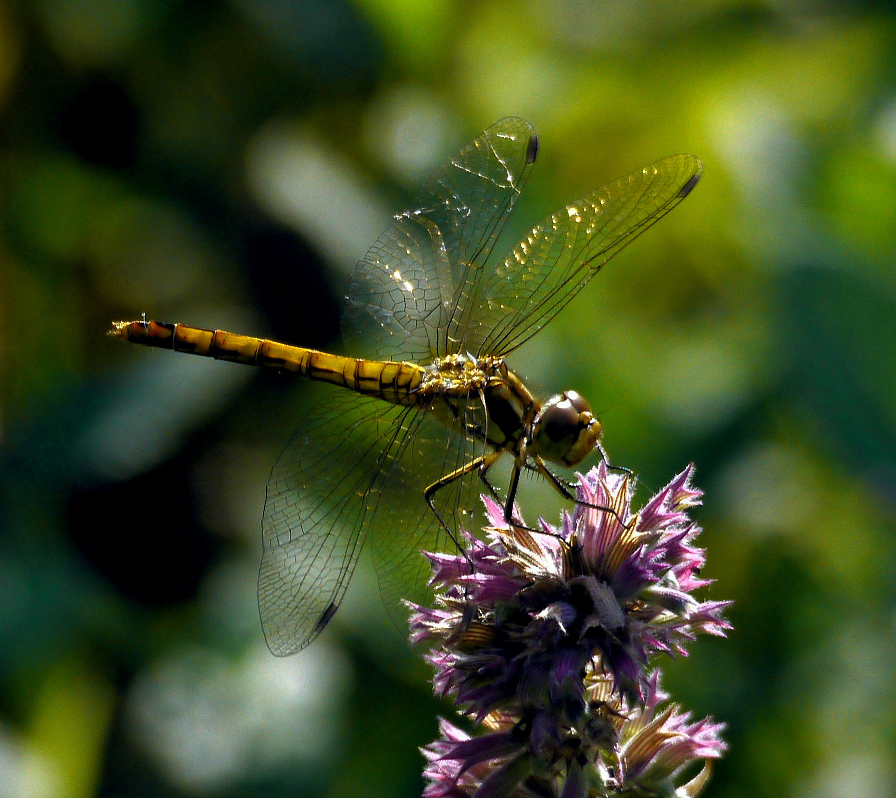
412,296
314,517
356,469
401,570
559,256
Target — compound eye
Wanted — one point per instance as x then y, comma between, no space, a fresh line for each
567,431
561,420
577,401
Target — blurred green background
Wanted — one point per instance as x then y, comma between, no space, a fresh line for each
225,164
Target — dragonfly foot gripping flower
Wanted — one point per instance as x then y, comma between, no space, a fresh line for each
548,644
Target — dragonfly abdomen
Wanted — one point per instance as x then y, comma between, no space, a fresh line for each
394,382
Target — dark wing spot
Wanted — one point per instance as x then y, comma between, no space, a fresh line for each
532,149
686,188
327,616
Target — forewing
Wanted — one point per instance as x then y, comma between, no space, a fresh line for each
559,256
411,297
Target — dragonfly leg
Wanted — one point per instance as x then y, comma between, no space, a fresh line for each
518,465
570,486
563,487
514,484
624,469
603,456
488,462
481,464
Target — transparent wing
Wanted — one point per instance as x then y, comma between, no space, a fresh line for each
355,468
402,572
414,292
559,256
314,516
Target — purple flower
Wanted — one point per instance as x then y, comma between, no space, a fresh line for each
546,641
656,743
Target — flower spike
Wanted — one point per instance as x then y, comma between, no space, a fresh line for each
548,643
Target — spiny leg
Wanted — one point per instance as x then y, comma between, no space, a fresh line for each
563,487
521,462
603,456
482,464
488,461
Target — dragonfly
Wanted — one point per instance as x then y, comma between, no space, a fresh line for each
398,457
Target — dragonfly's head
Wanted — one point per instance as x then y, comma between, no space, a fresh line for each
566,431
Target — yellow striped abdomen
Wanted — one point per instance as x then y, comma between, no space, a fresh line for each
393,382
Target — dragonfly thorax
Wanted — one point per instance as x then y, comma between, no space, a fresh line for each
565,431
460,374
481,396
